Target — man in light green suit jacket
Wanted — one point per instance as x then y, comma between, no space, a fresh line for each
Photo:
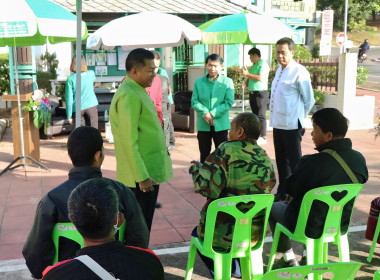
143,160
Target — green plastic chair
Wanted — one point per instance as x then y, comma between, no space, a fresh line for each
316,249
377,275
375,237
66,230
251,259
69,231
342,271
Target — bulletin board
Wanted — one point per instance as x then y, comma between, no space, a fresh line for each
106,62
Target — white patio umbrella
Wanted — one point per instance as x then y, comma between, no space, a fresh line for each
29,23
144,30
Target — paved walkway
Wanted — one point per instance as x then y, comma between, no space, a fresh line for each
180,213
172,223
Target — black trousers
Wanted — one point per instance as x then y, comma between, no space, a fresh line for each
171,130
204,141
90,117
147,202
277,215
258,101
287,147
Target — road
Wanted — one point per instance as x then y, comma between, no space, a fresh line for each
373,66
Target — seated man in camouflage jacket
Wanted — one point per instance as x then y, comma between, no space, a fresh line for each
220,176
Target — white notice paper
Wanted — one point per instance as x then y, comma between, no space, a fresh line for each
111,59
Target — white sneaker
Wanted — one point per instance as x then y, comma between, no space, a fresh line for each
261,141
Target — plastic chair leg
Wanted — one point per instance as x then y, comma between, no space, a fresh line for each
344,250
222,267
257,263
190,261
375,237
318,251
325,252
273,250
245,267
318,256
309,252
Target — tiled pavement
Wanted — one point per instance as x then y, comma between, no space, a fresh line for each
180,213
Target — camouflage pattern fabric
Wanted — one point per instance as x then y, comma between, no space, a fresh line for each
234,168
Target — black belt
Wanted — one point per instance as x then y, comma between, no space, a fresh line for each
258,91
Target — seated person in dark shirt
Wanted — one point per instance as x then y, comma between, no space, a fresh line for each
314,171
93,209
85,148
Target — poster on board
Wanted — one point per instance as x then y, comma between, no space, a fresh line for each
121,57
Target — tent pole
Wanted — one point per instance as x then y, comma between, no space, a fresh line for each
22,156
19,108
78,54
243,82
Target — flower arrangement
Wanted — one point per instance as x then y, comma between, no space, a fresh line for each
39,105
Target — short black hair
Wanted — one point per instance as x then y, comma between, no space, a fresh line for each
254,51
214,57
287,41
93,208
137,57
250,123
331,120
82,145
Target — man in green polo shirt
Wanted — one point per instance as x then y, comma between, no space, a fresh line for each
212,99
258,89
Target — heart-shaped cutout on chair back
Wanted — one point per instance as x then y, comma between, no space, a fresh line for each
244,207
337,196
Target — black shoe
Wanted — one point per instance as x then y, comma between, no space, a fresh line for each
158,205
283,264
303,261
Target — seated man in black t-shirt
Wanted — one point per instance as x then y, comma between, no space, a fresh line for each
314,171
93,209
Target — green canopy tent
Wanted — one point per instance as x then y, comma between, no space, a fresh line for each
246,29
29,23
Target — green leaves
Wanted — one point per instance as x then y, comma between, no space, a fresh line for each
47,70
234,72
319,97
362,75
358,11
4,75
36,119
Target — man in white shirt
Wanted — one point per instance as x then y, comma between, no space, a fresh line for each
292,98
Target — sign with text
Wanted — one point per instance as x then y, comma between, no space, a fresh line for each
291,9
326,32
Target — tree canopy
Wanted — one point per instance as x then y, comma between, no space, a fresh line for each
358,11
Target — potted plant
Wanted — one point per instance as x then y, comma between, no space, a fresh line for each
240,82
46,71
319,97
